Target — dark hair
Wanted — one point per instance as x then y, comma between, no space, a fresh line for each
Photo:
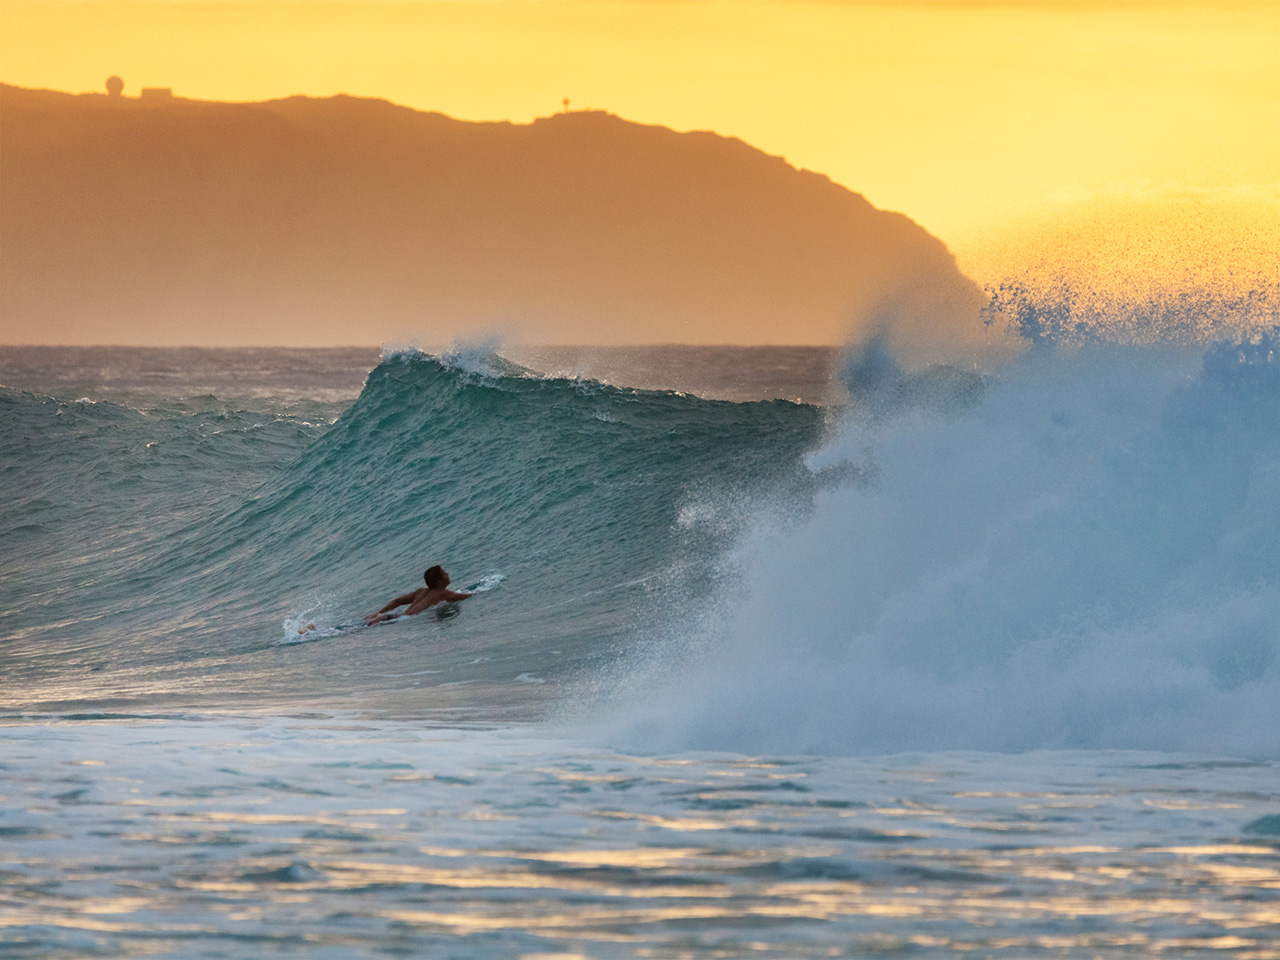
435,576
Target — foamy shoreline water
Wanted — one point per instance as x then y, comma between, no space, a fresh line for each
333,835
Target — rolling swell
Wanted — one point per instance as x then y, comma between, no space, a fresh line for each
570,490
96,489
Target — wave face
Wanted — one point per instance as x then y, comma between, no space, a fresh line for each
160,552
1084,553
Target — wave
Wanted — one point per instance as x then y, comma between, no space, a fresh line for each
1079,549
1084,553
96,486
572,490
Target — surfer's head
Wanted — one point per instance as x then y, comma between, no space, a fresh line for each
436,577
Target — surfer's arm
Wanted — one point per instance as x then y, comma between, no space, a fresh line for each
453,596
399,602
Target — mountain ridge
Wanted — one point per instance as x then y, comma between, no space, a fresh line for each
345,220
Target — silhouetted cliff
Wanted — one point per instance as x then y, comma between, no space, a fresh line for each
342,220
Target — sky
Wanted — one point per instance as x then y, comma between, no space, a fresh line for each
974,118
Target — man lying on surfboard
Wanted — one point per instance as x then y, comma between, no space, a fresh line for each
434,592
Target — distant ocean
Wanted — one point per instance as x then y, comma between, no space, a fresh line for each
777,653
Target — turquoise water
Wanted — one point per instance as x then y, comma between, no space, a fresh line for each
943,662
160,550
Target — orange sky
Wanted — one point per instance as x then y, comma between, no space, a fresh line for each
967,116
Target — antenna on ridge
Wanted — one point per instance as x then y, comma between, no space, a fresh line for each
566,104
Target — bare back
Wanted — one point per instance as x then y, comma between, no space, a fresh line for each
426,597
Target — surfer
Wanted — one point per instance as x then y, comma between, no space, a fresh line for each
436,591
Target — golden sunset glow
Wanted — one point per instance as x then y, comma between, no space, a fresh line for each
966,116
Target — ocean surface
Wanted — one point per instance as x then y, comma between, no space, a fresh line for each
775,653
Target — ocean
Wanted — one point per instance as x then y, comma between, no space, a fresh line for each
774,652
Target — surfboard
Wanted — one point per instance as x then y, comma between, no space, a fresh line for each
302,628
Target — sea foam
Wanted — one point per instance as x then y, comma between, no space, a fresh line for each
1083,553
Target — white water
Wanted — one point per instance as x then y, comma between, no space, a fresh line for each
1087,558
